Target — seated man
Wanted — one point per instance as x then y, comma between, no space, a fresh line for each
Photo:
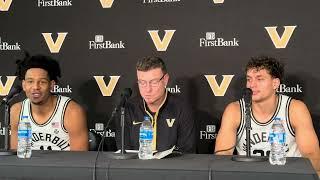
58,123
263,78
172,119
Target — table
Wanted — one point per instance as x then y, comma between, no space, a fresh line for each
80,165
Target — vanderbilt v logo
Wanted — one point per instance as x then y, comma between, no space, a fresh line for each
163,44
54,46
170,122
216,89
218,1
5,5
107,90
280,42
4,89
106,3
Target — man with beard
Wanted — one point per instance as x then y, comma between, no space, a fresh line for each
58,123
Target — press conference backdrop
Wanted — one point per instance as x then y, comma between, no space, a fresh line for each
205,44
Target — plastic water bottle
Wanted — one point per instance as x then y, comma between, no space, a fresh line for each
24,138
277,139
145,139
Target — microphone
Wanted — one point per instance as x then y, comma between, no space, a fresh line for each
13,92
125,94
247,96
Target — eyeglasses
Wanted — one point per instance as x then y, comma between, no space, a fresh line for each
153,83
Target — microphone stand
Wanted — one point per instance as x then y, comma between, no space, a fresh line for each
6,151
248,157
123,154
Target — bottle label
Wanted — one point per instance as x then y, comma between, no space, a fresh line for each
24,133
277,137
146,134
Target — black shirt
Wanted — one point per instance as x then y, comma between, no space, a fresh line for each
174,124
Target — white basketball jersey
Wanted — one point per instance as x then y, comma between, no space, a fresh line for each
260,131
51,135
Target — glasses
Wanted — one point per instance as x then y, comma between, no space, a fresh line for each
152,83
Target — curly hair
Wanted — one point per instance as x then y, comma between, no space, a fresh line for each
148,63
272,65
38,61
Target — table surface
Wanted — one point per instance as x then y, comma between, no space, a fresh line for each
80,165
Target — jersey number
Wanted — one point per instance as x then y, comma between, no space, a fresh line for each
48,148
261,152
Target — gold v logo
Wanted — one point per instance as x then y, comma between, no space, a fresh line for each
107,90
54,46
163,44
5,5
170,122
216,89
4,89
106,3
218,1
280,42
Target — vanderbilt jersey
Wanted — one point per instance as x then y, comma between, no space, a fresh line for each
260,131
51,135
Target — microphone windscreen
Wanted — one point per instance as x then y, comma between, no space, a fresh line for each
247,95
126,93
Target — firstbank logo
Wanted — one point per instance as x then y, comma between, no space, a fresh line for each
280,42
106,3
99,128
5,46
4,89
5,5
54,47
289,89
99,43
163,44
175,90
219,90
2,130
58,89
212,41
209,133
54,3
107,90
159,1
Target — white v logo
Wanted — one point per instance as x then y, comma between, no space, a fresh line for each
170,122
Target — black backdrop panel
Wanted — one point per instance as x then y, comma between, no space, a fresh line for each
204,43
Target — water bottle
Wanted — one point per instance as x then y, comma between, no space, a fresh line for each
145,139
24,138
277,139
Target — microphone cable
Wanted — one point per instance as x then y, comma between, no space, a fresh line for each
102,142
237,142
247,98
126,93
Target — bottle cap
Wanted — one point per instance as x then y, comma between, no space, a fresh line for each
147,118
